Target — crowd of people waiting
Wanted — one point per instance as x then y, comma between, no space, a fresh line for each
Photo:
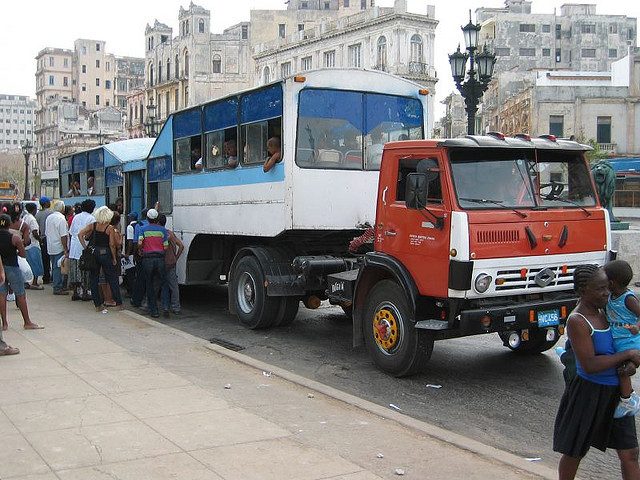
89,253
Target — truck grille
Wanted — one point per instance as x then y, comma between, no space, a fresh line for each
513,279
498,236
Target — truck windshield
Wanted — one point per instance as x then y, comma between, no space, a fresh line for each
518,179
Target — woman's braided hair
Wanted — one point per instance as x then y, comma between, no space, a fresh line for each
582,275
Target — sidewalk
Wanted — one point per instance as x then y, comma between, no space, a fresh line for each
117,396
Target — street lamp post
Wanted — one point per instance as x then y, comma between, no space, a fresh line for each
481,65
26,151
151,119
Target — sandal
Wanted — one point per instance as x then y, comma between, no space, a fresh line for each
110,304
9,351
36,287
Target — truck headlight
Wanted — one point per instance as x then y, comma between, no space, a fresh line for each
482,283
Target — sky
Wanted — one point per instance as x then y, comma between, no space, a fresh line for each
27,26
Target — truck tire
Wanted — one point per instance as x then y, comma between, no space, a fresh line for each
287,311
254,308
389,334
536,344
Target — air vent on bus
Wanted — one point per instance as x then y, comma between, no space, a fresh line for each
498,236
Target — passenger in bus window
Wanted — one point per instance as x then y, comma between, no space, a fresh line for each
74,191
196,159
231,152
91,186
273,147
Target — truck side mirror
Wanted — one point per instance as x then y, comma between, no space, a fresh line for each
416,191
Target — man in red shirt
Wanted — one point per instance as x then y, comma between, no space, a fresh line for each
153,240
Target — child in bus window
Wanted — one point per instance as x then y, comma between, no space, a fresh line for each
273,148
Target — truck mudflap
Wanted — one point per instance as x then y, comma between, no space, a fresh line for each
504,318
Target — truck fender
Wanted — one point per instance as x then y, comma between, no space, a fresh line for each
276,265
376,267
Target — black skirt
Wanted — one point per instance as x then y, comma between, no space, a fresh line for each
585,419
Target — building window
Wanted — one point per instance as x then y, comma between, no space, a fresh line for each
588,28
326,5
168,69
65,62
381,53
97,47
84,69
159,72
527,27
306,63
150,75
245,32
97,99
97,82
97,63
186,63
51,61
175,100
201,26
51,80
65,81
556,125
503,52
167,103
588,53
558,32
107,66
266,75
546,52
84,87
304,5
363,4
416,48
282,30
613,28
329,59
603,130
285,69
546,28
177,67
613,53
354,55
300,27
558,55
346,3
84,50
527,52
217,64
107,84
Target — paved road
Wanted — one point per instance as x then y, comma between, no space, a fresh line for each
487,393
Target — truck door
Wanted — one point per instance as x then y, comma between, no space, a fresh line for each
418,237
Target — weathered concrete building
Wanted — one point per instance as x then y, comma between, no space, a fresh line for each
196,65
600,106
454,122
136,111
17,121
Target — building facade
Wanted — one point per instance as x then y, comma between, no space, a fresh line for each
454,122
79,93
194,66
136,111
590,106
386,39
17,121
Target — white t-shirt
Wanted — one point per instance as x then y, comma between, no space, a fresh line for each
32,223
80,221
55,229
130,231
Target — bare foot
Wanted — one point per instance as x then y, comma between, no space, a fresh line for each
32,326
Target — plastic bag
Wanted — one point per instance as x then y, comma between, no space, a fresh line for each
25,269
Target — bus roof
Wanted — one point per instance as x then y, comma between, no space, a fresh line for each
130,150
493,141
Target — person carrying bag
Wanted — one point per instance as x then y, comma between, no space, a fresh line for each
88,261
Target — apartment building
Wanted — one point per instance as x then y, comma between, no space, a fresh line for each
17,121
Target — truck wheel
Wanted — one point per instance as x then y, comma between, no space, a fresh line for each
287,311
393,342
537,343
254,308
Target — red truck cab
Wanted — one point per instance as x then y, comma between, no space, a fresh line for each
476,235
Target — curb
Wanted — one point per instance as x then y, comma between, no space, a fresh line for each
459,441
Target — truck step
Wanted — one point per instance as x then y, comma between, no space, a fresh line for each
432,324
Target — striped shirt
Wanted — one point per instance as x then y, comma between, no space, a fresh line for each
153,238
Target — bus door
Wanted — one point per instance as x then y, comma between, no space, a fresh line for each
135,200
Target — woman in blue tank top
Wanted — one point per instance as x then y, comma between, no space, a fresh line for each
585,416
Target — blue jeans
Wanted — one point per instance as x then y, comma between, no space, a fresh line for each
170,291
105,261
154,273
140,285
56,273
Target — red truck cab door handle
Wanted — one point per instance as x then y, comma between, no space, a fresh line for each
390,233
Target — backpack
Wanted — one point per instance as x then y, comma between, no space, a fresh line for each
88,261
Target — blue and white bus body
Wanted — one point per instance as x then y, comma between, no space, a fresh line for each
315,199
106,164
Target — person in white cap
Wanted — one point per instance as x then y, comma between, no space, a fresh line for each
153,240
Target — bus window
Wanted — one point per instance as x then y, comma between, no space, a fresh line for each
330,126
159,180
222,149
254,140
114,184
95,182
188,152
389,118
260,119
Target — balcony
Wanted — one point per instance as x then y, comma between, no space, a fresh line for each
419,71
382,67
